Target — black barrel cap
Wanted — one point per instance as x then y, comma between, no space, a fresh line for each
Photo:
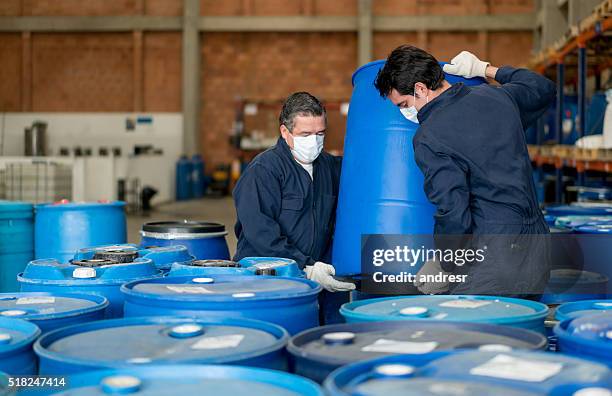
270,271
118,255
215,263
93,263
183,227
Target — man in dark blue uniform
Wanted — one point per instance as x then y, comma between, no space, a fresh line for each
471,149
286,198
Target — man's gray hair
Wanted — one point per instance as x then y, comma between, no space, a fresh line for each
300,104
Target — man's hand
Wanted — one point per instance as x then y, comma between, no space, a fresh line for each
431,268
323,274
467,65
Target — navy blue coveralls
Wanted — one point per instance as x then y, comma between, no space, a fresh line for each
282,212
471,149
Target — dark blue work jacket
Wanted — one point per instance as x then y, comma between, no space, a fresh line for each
472,151
282,212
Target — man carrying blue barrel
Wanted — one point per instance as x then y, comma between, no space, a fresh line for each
471,149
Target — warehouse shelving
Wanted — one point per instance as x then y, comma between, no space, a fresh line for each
590,38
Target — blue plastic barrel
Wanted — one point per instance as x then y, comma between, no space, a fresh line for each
50,311
317,352
581,308
198,186
578,221
16,242
16,339
96,276
184,172
187,380
550,220
476,309
381,188
473,373
288,302
63,228
588,336
567,285
204,240
271,266
162,340
579,209
5,387
163,257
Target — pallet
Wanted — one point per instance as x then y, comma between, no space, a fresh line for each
590,154
546,151
604,9
564,151
533,150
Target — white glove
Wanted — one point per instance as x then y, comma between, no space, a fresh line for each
431,268
466,65
323,274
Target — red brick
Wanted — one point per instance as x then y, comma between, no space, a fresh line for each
510,48
162,72
512,6
164,7
336,7
386,42
277,7
221,7
444,46
79,7
10,69
10,7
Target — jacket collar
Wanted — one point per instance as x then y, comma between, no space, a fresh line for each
456,91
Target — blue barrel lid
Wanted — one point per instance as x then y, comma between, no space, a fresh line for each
481,309
50,271
65,205
596,228
580,308
16,334
42,306
233,288
350,342
576,220
156,340
567,276
161,256
15,206
594,327
190,380
582,209
525,373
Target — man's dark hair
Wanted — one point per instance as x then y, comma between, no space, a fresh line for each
406,66
302,104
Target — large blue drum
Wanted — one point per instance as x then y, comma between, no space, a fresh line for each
95,276
319,351
163,380
16,242
162,340
581,308
50,311
64,227
16,339
587,336
288,302
381,189
271,266
204,240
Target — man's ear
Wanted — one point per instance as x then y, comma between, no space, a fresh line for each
420,89
284,131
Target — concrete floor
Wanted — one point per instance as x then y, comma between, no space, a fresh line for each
220,210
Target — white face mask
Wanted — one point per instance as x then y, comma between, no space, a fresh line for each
411,112
307,148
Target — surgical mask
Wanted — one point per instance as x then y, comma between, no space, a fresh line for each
307,148
410,113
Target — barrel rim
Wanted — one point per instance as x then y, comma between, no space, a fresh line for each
281,379
564,336
31,331
41,345
297,342
78,205
568,308
85,282
541,310
16,206
129,292
101,304
182,227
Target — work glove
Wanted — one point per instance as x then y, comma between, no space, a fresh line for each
323,274
466,65
431,268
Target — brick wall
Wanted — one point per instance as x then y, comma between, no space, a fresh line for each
126,71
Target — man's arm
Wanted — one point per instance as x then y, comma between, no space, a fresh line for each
258,200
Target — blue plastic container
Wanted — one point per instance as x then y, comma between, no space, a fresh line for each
271,266
578,221
473,373
5,388
162,340
101,277
588,336
204,240
184,171
187,380
163,257
550,220
16,339
475,309
317,352
381,188
579,209
567,285
50,311
63,228
16,242
581,308
197,176
288,302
